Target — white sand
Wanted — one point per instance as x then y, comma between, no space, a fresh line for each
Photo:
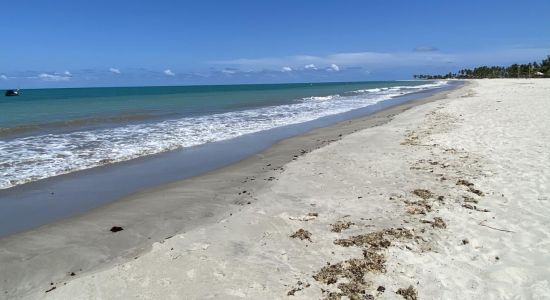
493,133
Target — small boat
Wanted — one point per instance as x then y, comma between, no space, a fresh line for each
9,93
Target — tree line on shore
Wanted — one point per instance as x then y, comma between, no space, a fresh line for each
530,70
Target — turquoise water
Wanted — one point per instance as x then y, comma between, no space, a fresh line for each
58,106
48,132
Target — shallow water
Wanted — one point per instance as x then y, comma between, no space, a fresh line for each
46,133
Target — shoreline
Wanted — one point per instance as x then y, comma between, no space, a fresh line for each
187,119
145,221
31,205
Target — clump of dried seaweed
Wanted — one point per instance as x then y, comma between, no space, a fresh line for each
341,225
408,293
349,275
302,234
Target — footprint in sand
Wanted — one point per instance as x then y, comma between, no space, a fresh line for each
540,289
236,293
199,246
284,256
219,275
145,282
164,282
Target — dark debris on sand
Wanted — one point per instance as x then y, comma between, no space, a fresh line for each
302,234
469,199
422,193
476,191
470,187
436,223
353,269
376,240
116,229
408,293
439,223
351,272
473,207
300,287
464,182
418,207
341,225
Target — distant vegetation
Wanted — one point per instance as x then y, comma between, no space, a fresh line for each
529,70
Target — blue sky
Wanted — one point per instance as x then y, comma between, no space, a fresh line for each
118,43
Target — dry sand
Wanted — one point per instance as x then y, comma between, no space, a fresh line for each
449,200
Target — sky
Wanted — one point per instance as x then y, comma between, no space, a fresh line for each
62,43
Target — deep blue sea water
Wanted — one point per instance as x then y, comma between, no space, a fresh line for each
49,132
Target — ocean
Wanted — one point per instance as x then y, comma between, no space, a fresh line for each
49,132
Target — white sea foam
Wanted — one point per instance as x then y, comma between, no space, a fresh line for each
36,157
321,98
400,88
375,90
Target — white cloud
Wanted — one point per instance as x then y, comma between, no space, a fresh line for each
169,72
334,67
354,58
67,73
53,77
4,77
310,67
349,59
114,70
228,71
286,69
420,57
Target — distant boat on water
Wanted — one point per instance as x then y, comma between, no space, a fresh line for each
9,93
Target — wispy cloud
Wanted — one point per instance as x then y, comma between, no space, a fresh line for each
114,70
53,77
420,57
229,71
425,49
4,77
311,62
310,67
169,72
67,73
286,69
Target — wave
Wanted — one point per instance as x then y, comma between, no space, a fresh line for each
121,118
321,98
33,158
405,87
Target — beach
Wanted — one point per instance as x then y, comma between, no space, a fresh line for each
445,197
109,143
